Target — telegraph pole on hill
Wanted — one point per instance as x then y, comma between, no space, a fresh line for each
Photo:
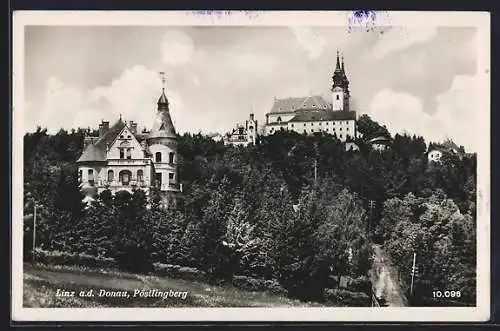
34,234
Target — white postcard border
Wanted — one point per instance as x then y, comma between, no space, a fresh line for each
481,312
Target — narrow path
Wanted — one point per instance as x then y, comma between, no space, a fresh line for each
385,282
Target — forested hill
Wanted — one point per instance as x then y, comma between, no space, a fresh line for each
394,197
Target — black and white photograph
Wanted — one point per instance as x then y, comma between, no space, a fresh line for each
286,165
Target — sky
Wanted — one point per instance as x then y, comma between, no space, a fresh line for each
418,80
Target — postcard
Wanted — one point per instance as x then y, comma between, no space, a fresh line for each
251,166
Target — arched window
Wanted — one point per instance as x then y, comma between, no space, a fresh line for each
124,176
111,176
140,175
158,157
338,97
170,157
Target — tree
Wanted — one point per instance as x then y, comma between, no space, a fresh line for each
370,128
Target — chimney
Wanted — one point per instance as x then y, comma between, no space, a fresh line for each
133,127
103,128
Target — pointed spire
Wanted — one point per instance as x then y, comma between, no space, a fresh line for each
343,63
163,98
163,126
337,67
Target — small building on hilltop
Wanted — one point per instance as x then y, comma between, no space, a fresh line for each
123,159
380,143
436,150
243,134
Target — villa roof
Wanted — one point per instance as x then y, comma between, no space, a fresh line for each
163,126
97,151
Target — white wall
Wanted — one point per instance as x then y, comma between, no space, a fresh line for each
114,151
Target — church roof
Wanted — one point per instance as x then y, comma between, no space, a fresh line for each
288,105
312,115
163,98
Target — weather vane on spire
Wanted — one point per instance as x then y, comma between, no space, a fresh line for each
163,79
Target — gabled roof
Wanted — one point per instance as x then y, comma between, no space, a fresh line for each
447,145
289,105
379,140
97,150
109,136
91,154
311,115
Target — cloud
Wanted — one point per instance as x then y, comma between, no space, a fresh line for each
133,95
177,48
312,42
399,38
455,116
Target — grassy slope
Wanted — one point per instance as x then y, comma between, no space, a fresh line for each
40,286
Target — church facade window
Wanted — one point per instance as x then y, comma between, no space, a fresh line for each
158,157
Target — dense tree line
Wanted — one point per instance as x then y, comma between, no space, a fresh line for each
292,208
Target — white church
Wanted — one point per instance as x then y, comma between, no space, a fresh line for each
121,158
313,114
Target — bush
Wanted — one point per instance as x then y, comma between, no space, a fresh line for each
346,298
177,271
73,259
360,284
134,259
256,284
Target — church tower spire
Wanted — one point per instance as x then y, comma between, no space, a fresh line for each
340,86
337,74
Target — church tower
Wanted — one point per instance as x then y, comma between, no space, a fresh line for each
162,143
340,87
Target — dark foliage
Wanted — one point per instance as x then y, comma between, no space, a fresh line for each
297,209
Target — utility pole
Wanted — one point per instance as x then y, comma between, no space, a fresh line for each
315,172
413,271
34,234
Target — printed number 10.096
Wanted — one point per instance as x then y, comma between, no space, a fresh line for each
446,294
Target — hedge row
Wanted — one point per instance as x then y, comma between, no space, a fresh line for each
341,297
73,259
357,293
177,271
